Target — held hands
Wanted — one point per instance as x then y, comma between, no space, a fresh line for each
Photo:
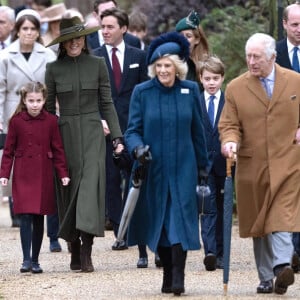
4,181
229,150
142,154
65,181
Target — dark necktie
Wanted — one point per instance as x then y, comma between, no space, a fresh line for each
2,45
116,68
211,110
295,62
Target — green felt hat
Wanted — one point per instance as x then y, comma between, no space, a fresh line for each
70,29
192,21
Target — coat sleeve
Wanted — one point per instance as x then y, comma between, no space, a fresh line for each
3,85
106,106
198,134
134,133
229,126
60,162
8,151
51,88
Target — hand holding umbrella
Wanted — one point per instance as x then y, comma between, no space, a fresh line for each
143,155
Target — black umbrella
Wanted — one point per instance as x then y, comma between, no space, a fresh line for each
139,174
227,221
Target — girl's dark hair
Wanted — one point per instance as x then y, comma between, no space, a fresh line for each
30,87
20,22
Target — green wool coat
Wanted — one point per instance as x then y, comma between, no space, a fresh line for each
81,86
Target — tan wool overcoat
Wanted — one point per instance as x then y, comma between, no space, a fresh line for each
268,160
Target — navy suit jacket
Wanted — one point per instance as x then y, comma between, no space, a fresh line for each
93,40
217,160
282,57
134,72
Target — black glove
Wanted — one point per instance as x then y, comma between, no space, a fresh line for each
116,142
202,177
139,173
142,154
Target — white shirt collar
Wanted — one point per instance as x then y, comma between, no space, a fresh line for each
207,95
120,47
290,46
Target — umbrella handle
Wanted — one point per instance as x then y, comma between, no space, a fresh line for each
229,164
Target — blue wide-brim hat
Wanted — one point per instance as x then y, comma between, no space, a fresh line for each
168,44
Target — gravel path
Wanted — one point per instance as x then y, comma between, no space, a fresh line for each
116,275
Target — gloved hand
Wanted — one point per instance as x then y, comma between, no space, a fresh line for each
142,154
116,142
202,177
139,173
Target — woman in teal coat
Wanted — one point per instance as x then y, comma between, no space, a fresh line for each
80,84
165,114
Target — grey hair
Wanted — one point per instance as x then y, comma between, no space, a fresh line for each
9,12
265,39
180,66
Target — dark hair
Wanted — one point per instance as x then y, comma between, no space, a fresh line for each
33,20
97,2
46,3
62,51
30,87
119,14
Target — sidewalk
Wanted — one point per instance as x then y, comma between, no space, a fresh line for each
116,275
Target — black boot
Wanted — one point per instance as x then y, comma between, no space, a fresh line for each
86,252
75,255
165,254
178,266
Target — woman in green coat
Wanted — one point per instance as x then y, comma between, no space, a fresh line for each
80,84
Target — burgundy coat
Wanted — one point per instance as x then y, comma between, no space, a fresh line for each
34,148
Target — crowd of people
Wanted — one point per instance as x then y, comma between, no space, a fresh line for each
89,109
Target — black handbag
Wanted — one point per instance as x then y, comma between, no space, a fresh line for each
2,140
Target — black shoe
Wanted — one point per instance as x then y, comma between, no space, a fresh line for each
284,277
220,263
142,262
26,266
295,262
265,287
210,262
157,261
119,245
35,268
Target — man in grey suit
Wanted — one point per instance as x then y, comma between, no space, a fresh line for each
288,54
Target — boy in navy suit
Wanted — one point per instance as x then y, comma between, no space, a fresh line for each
211,74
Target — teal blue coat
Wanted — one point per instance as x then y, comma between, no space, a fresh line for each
169,120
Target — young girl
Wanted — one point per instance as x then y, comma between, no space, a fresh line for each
34,148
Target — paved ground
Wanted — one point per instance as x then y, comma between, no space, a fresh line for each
116,275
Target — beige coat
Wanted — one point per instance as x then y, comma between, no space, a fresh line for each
268,160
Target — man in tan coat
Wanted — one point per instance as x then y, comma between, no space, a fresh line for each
260,123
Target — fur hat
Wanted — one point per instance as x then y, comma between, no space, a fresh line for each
72,28
168,44
192,21
53,13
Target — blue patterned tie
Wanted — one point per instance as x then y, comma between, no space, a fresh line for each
296,60
211,110
266,87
